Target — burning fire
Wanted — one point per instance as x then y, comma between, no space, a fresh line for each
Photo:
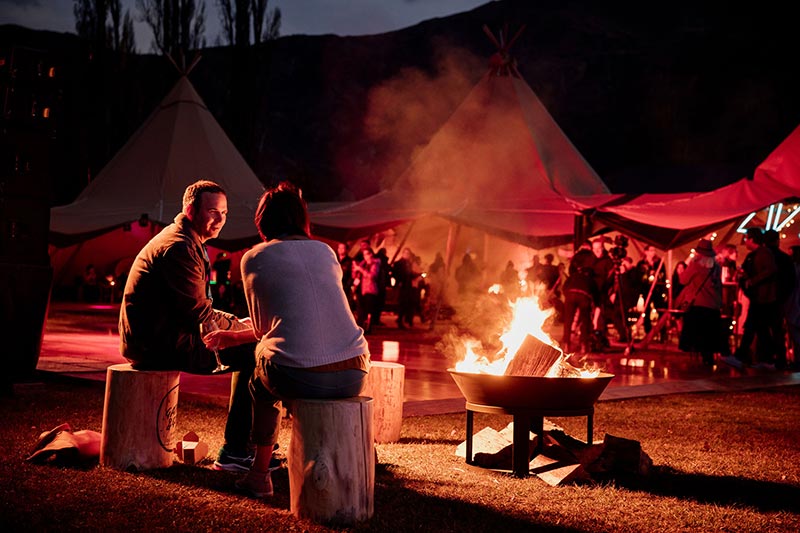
528,319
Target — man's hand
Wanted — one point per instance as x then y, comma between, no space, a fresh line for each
222,338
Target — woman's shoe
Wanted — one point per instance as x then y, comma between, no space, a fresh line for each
255,484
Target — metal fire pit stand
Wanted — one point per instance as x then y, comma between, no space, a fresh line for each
525,421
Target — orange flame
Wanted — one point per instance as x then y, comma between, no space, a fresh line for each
528,319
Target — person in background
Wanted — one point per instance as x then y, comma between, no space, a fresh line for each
383,284
435,282
166,299
623,298
90,285
580,291
509,280
727,257
548,272
604,281
652,272
309,345
758,281
702,325
468,277
785,279
532,272
793,311
346,263
404,274
677,286
368,273
221,282
550,276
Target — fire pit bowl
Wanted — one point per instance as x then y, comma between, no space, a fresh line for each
530,392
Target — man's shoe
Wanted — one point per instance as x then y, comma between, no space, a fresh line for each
232,463
255,484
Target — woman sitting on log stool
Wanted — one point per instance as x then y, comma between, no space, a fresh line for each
309,343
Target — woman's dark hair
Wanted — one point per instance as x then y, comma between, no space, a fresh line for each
282,212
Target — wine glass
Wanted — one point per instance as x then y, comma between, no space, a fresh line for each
206,328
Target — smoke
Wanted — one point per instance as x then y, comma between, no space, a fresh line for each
404,112
482,319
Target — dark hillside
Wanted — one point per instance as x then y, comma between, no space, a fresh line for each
668,97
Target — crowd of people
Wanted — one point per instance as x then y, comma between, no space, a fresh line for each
372,282
709,292
700,300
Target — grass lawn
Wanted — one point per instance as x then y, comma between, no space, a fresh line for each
722,462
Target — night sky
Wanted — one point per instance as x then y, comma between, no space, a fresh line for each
312,17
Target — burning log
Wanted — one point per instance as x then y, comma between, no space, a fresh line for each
534,358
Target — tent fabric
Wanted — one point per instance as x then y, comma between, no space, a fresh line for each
671,220
179,143
499,163
781,169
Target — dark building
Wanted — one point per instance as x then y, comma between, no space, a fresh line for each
29,93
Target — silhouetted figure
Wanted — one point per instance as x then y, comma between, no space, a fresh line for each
702,323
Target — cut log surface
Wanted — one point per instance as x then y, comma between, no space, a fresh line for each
490,449
534,358
385,384
331,460
139,417
558,471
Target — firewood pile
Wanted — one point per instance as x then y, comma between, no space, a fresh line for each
564,459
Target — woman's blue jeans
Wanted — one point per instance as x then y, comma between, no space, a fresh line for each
286,383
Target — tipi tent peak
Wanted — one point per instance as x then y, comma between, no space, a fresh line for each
499,163
179,143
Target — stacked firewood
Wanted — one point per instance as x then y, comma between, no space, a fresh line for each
564,459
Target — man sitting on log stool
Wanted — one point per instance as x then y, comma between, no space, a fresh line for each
167,298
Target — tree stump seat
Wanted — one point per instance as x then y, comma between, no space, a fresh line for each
139,414
331,460
385,383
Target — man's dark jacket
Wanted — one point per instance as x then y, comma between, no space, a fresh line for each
166,299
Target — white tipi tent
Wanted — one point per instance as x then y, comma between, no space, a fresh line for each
142,186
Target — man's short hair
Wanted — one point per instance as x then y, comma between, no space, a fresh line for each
755,234
772,237
193,193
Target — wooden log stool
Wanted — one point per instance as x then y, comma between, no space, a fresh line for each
385,385
139,418
332,460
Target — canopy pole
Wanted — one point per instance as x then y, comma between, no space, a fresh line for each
669,278
452,236
640,321
402,242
